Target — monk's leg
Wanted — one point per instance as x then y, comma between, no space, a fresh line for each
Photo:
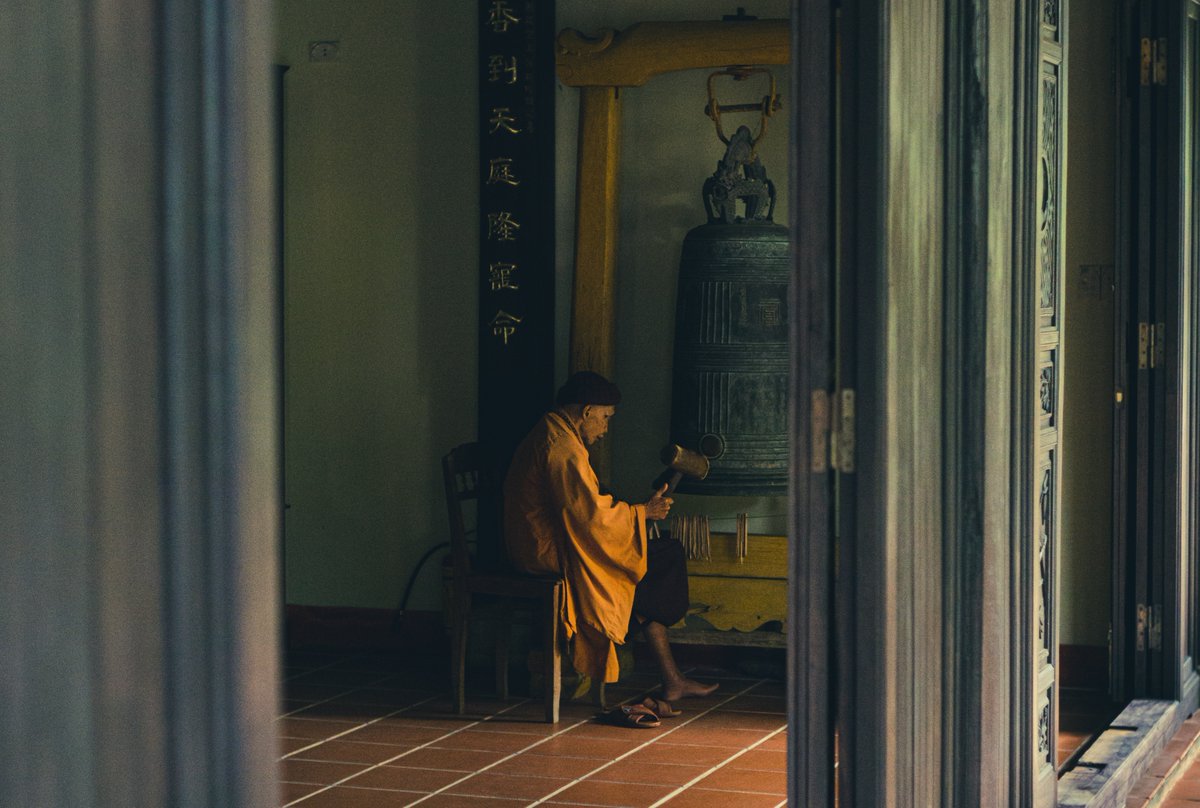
675,684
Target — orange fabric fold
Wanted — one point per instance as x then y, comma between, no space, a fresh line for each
557,521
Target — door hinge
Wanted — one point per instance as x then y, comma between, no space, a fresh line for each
1149,627
1154,61
1154,640
819,437
1152,345
842,444
832,423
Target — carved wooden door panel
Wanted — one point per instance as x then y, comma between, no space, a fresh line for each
1046,430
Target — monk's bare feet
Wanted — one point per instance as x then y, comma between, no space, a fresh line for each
687,688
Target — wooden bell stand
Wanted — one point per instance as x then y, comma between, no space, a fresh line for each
735,595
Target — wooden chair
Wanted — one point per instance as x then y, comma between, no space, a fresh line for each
467,478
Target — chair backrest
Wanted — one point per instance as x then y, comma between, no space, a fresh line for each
467,477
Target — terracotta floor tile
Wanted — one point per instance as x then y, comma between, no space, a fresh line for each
352,752
461,760
344,797
756,704
698,733
1186,790
395,709
445,723
486,784
769,760
572,746
405,778
503,724
696,798
632,735
597,792
774,742
529,764
340,711
746,780
568,712
317,771
683,754
1171,802
467,801
294,791
488,741
289,745
646,773
312,728
399,734
739,719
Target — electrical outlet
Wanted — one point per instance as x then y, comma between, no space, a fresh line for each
323,51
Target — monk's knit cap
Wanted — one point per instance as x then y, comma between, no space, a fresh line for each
586,387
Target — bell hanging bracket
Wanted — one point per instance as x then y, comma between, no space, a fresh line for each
768,106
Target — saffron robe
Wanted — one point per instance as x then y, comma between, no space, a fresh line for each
556,521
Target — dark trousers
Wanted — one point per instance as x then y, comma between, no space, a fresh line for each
662,595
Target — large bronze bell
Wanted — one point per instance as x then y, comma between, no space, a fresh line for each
730,377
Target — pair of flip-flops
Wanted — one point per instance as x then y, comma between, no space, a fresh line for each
646,715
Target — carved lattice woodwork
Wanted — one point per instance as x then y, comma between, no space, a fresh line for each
1049,203
1046,371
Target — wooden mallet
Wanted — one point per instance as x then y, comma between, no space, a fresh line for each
679,462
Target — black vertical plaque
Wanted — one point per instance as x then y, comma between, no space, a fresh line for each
516,229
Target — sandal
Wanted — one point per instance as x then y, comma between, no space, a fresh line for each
661,707
632,715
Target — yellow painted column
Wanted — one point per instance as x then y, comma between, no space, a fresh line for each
593,304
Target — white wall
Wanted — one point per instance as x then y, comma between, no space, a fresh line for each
381,255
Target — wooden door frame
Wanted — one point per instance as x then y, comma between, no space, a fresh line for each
140,532
1154,529
965,738
1179,676
1121,669
811,673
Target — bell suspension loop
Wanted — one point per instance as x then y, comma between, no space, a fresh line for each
731,356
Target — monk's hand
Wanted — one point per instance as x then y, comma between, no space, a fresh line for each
658,506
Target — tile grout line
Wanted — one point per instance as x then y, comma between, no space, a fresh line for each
720,765
519,752
638,748
507,757
410,751
373,682
360,726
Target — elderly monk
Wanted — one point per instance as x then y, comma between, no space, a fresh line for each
558,520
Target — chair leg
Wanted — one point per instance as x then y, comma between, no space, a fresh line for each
553,655
502,643
458,652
